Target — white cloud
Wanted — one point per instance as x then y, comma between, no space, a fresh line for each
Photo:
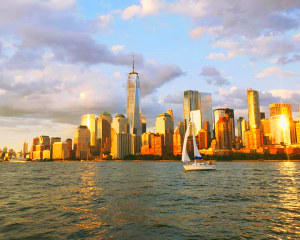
197,32
284,93
104,21
145,8
117,48
117,75
276,72
218,56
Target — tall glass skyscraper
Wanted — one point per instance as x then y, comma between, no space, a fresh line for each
253,109
194,100
133,102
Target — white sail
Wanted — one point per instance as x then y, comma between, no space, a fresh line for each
197,155
185,156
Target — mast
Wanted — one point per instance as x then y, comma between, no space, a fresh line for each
132,63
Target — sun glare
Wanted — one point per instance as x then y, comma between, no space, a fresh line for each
283,122
82,95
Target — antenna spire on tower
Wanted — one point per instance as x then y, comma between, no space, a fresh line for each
133,63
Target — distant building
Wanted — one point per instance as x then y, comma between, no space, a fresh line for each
194,100
45,141
133,102
253,109
224,133
254,121
89,121
204,139
241,129
152,144
298,131
120,137
265,126
144,123
165,125
177,142
280,130
69,148
253,139
284,113
25,149
222,112
82,143
104,132
60,151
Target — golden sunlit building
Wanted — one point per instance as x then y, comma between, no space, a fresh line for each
60,151
104,132
283,129
253,109
265,126
177,142
241,129
89,121
204,139
298,131
165,125
253,139
224,133
82,143
152,144
120,137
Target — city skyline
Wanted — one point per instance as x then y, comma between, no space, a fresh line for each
48,81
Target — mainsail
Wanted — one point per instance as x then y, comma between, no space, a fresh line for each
197,155
185,156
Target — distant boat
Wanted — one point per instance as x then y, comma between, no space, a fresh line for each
195,166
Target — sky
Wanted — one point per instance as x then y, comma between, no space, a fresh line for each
61,59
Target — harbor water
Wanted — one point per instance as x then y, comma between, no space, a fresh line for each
149,200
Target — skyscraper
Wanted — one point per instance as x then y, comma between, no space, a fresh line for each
82,142
242,128
89,121
194,100
222,112
165,125
103,132
120,137
133,102
282,124
223,133
253,109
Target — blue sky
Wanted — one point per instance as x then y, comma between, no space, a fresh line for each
61,59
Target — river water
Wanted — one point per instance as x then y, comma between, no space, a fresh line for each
149,200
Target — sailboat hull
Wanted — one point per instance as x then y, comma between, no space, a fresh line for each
199,167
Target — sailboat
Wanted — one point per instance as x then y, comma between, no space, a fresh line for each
195,166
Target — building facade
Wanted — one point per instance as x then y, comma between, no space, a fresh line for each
133,102
194,100
120,137
253,109
165,125
222,112
104,132
224,133
82,139
89,120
